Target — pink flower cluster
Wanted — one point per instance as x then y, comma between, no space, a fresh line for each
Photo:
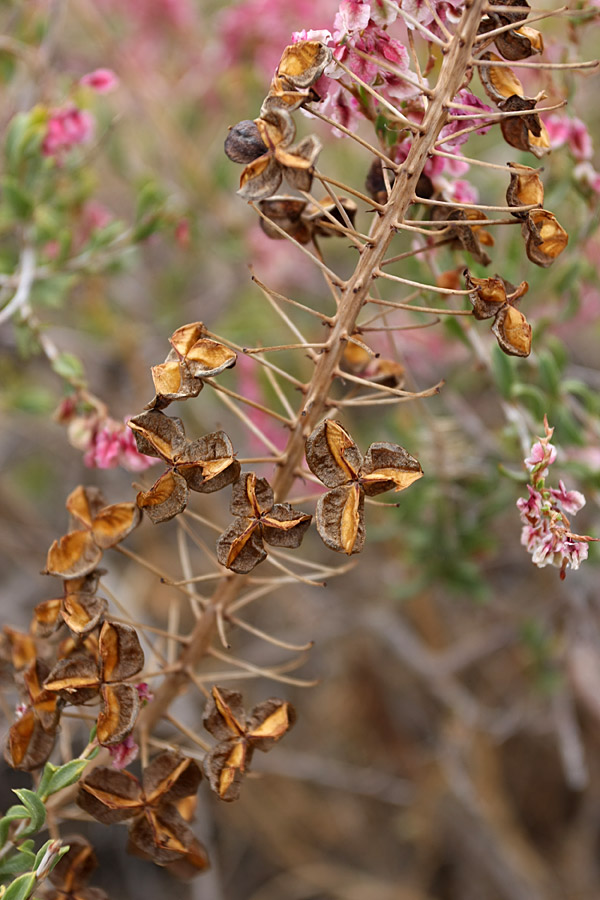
113,444
361,42
105,442
546,529
66,128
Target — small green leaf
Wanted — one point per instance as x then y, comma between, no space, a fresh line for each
69,367
19,204
66,775
21,888
549,373
13,814
35,808
529,392
49,771
16,863
150,201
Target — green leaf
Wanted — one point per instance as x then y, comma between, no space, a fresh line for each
66,775
70,368
49,770
35,808
17,862
13,814
19,204
150,201
21,888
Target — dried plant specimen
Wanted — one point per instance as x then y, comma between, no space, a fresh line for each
193,357
98,527
545,238
259,519
80,609
204,465
31,737
261,178
80,678
157,831
336,460
239,736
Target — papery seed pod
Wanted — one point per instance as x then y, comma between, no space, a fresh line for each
488,295
512,332
545,238
519,43
244,144
499,82
525,132
303,63
525,188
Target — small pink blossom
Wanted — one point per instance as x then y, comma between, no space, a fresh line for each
20,710
320,34
571,501
585,173
541,452
65,129
100,80
144,693
124,753
352,16
580,141
558,129
111,444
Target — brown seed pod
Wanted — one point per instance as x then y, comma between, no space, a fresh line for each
243,144
545,238
239,736
512,331
519,43
525,188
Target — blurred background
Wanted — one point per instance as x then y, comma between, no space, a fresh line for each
450,748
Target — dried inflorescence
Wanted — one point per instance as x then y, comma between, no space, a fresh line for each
194,356
80,678
496,298
204,465
259,520
31,737
239,736
96,528
336,460
157,830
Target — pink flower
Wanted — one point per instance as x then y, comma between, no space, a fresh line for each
144,693
558,129
111,444
124,753
66,128
530,507
352,16
312,35
100,80
571,501
585,173
580,141
541,452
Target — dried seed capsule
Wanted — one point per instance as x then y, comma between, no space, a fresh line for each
244,144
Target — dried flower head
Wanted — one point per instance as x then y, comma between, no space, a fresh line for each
335,459
239,736
98,527
259,520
